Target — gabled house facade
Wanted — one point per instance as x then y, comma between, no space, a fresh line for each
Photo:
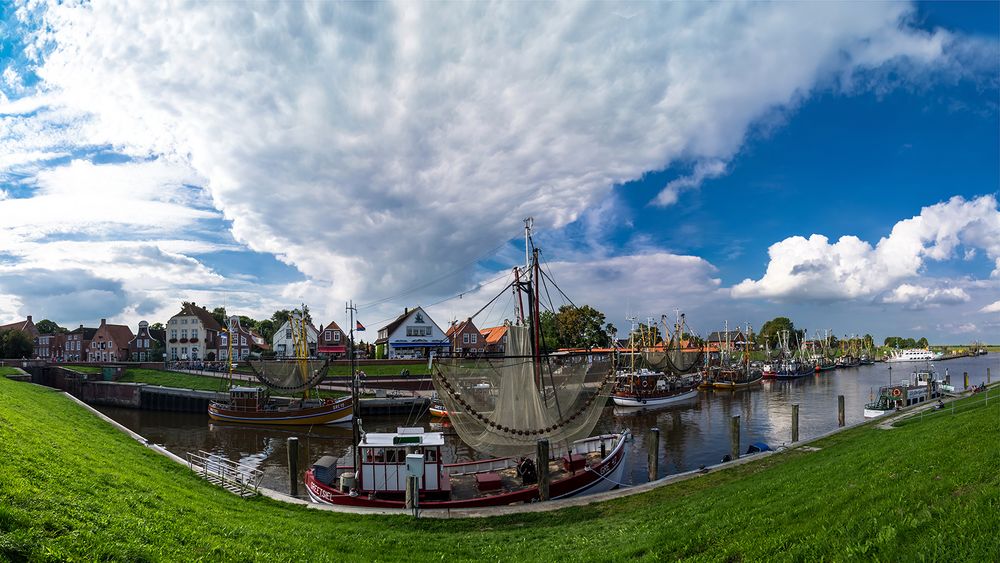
495,338
284,345
26,326
465,338
146,341
723,340
244,342
110,343
78,344
192,334
412,335
51,347
331,341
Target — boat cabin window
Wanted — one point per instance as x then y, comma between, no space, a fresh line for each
431,454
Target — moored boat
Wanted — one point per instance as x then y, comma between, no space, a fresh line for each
438,410
645,388
910,355
922,386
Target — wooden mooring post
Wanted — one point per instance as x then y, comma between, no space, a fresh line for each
987,376
654,453
543,469
734,437
293,466
966,375
795,422
841,421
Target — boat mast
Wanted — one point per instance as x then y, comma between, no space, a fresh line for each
355,407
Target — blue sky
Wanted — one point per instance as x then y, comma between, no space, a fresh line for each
386,153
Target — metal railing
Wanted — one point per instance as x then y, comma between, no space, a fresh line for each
235,477
955,407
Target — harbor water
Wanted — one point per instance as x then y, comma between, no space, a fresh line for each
693,433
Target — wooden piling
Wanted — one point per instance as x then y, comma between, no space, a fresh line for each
987,376
795,423
654,453
841,421
966,375
734,437
293,466
543,469
411,492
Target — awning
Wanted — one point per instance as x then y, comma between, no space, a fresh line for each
397,344
332,349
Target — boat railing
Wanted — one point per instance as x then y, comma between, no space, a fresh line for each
482,466
235,477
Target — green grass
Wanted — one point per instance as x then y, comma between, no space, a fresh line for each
85,369
7,370
174,379
73,488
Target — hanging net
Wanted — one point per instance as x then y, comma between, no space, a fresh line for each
673,361
497,406
292,375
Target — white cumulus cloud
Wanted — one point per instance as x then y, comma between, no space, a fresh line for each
919,297
814,269
991,308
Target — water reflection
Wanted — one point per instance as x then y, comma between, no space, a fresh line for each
692,433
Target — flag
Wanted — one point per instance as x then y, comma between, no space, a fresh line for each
359,326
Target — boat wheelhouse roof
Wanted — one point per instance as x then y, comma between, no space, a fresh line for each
403,436
238,389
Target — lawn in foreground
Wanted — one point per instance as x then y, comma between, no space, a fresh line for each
72,487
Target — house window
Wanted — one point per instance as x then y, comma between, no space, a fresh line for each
173,353
243,341
465,338
173,333
194,333
336,336
184,321
474,338
288,333
222,339
184,333
328,335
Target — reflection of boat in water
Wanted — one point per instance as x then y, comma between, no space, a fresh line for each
254,405
501,406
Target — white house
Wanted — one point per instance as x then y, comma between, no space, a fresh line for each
412,335
284,346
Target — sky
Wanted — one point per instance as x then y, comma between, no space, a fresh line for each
835,163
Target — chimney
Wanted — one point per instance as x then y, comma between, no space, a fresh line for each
104,321
29,318
406,310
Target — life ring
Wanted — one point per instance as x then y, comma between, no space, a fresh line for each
896,392
645,383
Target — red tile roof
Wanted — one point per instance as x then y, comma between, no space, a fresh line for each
494,334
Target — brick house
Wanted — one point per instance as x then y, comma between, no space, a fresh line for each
78,344
140,348
331,341
495,338
26,326
110,343
51,347
244,341
465,338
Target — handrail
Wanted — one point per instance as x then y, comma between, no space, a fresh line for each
229,474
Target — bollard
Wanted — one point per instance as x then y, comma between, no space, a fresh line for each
734,437
654,453
411,492
987,376
840,411
543,469
293,466
966,375
795,423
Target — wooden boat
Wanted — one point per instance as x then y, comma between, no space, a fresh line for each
738,380
645,388
254,405
438,410
591,465
250,405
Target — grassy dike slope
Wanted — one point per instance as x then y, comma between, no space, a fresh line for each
71,487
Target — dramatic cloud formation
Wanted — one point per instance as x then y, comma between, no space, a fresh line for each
814,269
375,145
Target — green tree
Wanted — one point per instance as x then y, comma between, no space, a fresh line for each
266,329
892,341
772,328
15,344
279,317
922,343
157,326
45,326
646,335
219,313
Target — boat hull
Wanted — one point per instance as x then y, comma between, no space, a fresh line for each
330,412
631,400
438,412
603,477
735,385
875,413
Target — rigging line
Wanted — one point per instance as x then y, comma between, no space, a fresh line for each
436,280
548,276
491,301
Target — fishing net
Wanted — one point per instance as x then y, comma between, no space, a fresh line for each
497,406
291,375
674,361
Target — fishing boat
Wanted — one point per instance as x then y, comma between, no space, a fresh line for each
646,388
729,372
923,385
255,405
438,410
507,408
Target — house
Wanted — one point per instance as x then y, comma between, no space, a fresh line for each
78,344
110,343
192,334
51,347
495,338
412,335
465,339
146,340
244,341
283,344
723,340
331,341
26,326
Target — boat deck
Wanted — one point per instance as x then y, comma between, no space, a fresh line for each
464,486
